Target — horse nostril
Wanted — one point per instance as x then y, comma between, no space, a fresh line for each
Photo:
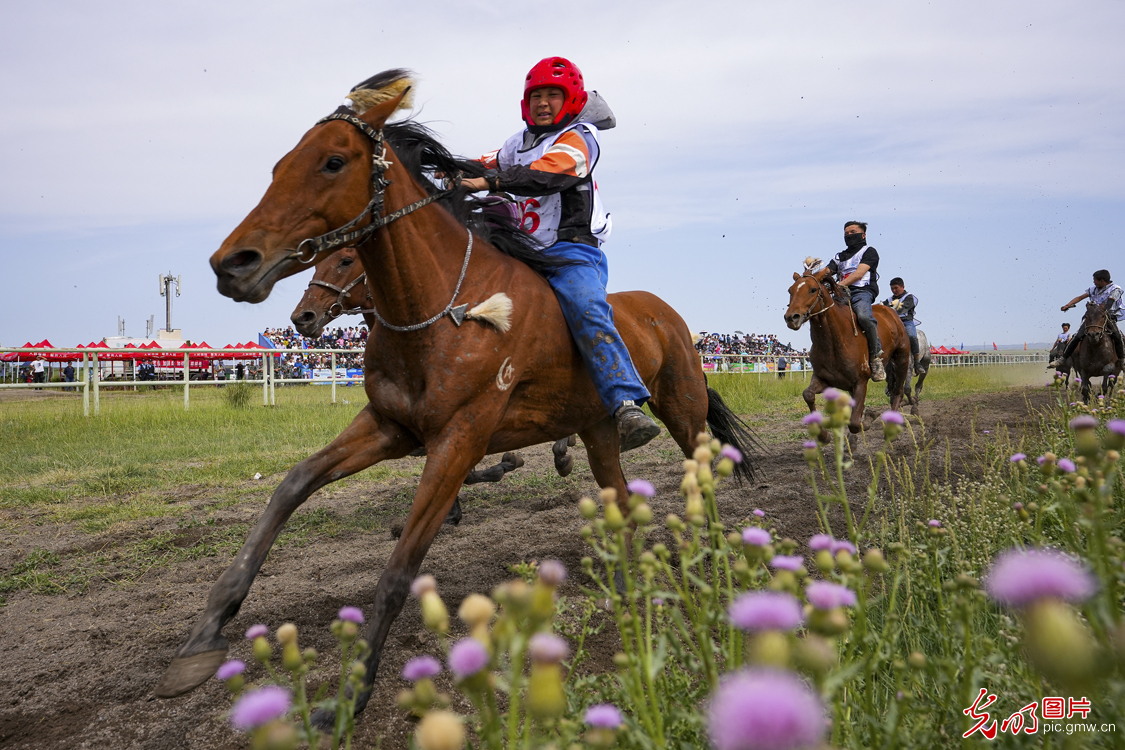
305,317
241,263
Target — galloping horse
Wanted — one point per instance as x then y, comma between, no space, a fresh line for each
839,353
442,372
924,358
1095,355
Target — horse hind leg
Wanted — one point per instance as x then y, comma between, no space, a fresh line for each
366,441
564,462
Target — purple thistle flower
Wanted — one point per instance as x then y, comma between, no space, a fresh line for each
1017,457
259,706
657,601
831,394
1075,403
1021,576
842,544
422,585
787,562
734,454
1067,465
351,614
604,716
759,513
766,610
230,669
467,657
257,631
642,487
826,595
547,648
421,667
1116,425
1083,422
552,572
1017,505
813,417
1041,460
755,536
821,541
851,402
765,709
810,444
934,523
893,417
989,432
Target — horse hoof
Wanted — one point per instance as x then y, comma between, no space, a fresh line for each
572,441
564,465
514,459
186,673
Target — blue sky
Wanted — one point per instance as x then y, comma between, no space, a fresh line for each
983,142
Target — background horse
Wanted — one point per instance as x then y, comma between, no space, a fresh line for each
1095,356
838,354
442,371
925,356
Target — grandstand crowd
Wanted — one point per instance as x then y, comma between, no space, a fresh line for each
349,341
748,344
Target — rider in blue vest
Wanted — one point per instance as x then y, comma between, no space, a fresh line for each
855,270
549,168
1102,291
905,304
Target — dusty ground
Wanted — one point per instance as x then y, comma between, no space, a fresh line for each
78,672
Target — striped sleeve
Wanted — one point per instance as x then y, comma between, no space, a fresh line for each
491,160
569,155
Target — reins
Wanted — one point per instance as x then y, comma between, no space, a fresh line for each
336,309
349,235
828,304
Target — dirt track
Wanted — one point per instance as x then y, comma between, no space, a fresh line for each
79,672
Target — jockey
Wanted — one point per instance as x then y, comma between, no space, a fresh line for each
855,269
1102,291
549,167
1061,341
905,304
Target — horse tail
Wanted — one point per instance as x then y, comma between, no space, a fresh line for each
893,376
728,428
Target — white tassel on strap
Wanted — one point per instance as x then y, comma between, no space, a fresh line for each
496,310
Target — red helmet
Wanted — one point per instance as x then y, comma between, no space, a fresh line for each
560,73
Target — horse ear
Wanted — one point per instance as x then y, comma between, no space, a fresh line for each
796,276
377,116
819,275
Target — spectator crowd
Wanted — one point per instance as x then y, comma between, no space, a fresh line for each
349,341
747,344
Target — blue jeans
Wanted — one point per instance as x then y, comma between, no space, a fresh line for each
912,334
580,289
862,299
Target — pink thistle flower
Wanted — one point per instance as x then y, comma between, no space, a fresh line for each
1116,425
787,562
759,513
841,544
547,648
734,454
256,631
467,657
259,707
1021,576
421,667
604,716
422,585
1041,460
1017,505
821,541
765,709
809,444
831,394
813,417
755,536
766,610
1083,422
552,572
230,669
1067,465
642,487
351,614
1017,457
934,523
826,595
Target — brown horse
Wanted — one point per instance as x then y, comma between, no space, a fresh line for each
460,383
1095,356
839,352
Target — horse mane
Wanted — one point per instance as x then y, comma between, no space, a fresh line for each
422,154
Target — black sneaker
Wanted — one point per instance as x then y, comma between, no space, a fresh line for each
634,427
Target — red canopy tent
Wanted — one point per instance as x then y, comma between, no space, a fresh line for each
247,355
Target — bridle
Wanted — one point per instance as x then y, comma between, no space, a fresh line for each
309,249
1098,329
828,303
336,309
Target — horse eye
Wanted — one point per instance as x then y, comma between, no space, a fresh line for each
346,262
334,164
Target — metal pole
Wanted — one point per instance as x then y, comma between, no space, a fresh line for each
97,399
85,386
187,378
333,377
265,383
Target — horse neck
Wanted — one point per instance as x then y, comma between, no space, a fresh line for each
413,263
827,329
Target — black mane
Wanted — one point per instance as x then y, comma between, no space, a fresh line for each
419,150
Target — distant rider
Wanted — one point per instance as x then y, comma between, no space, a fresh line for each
1102,291
856,270
1061,341
549,167
905,304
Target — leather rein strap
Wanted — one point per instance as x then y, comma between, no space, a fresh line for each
336,309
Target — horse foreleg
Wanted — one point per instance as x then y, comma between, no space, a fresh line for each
448,461
366,441
816,386
508,462
564,462
860,396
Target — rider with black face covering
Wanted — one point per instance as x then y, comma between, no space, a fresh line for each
855,271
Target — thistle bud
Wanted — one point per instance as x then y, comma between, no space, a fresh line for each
349,630
874,561
434,614
621,660
642,514
476,609
825,563
287,633
588,508
277,735
828,621
440,730
916,660
815,654
674,523
705,476
691,466
715,446
545,696
262,651
725,467
614,520
608,495
703,456
702,439
689,485
291,657
1058,644
770,649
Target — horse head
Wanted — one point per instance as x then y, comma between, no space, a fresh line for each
810,294
1096,319
320,185
337,288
